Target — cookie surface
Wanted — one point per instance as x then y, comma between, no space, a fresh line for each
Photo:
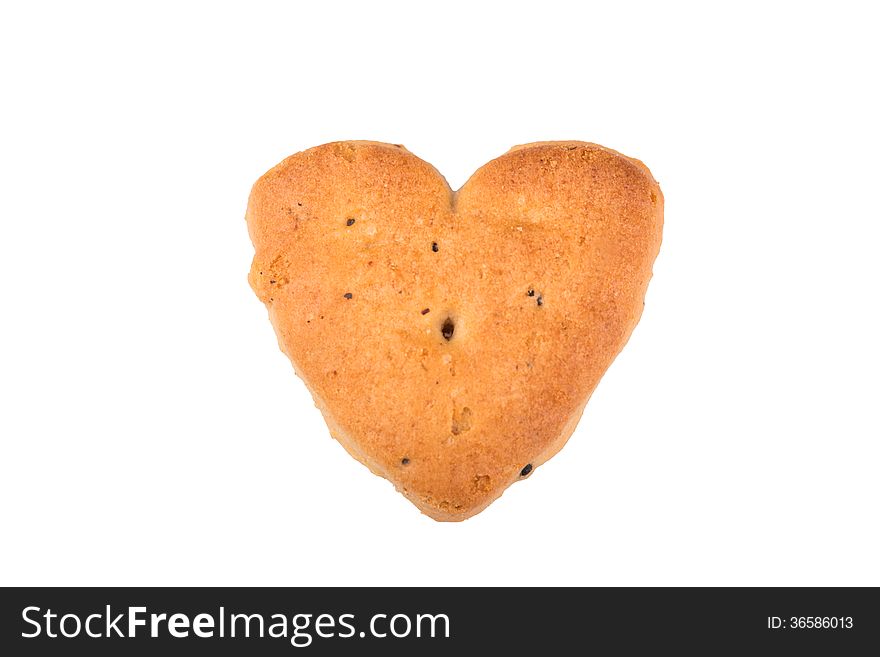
452,339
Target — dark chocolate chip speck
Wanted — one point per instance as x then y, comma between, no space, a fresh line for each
526,470
435,247
448,328
531,293
540,300
350,222
404,461
348,295
426,311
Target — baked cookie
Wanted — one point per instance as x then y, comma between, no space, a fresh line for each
452,339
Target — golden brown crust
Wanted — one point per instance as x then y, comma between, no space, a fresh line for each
541,263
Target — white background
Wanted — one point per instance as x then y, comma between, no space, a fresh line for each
153,433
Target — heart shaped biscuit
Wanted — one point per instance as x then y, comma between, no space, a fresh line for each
452,339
